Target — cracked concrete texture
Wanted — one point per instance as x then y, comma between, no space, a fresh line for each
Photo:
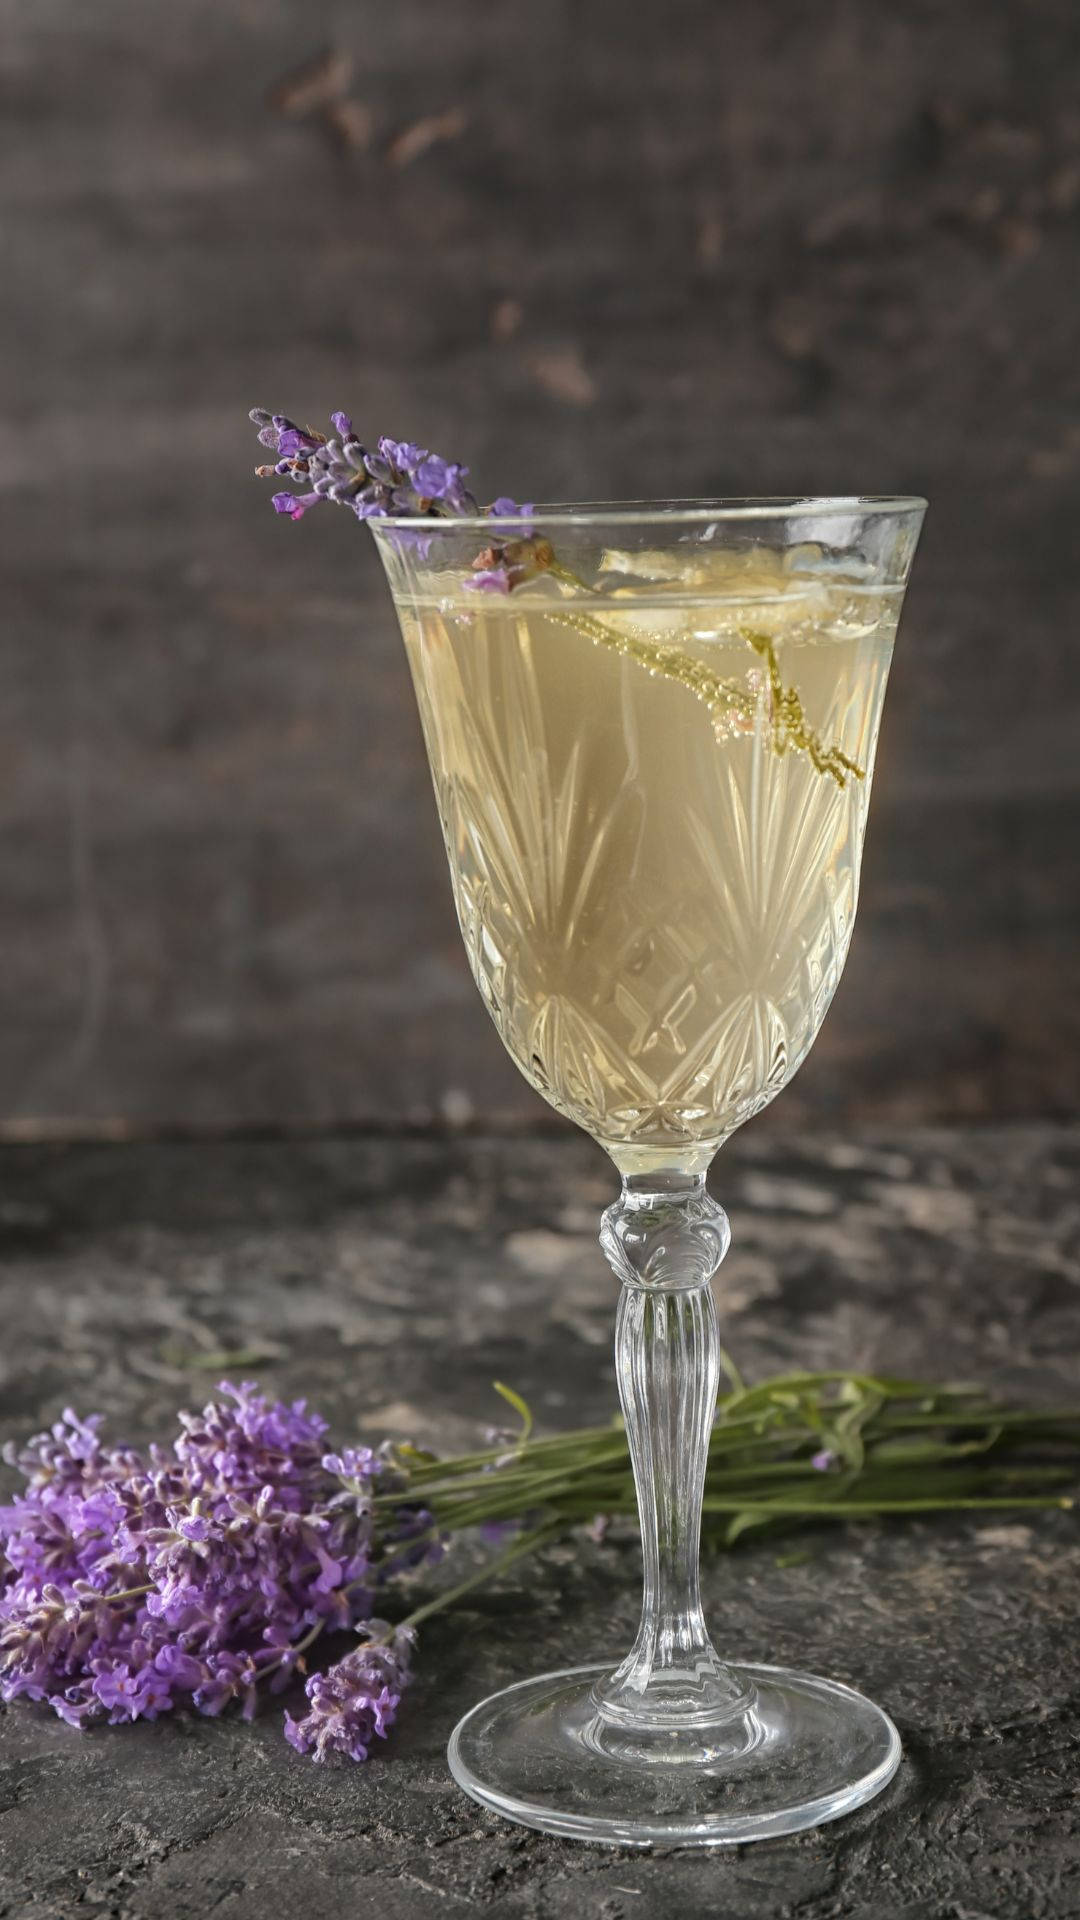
392,1280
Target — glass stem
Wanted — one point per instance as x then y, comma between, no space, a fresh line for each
665,1238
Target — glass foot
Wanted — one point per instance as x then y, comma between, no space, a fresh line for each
803,1751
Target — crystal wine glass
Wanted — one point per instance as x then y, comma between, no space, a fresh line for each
652,742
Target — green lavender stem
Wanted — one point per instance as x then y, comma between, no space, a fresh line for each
895,1446
525,1544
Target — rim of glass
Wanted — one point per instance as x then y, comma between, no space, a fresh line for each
640,513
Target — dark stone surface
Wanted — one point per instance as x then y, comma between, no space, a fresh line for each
391,1280
740,248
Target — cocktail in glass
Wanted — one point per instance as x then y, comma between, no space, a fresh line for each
651,731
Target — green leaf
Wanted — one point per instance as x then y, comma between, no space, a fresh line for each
521,1408
418,1456
743,1523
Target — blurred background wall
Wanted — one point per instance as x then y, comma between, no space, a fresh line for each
600,249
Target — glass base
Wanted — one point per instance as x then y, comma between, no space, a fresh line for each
805,1751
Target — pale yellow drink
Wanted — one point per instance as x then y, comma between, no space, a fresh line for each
654,803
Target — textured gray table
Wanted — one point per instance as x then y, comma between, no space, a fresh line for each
391,1280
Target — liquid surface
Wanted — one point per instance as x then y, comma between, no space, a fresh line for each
654,804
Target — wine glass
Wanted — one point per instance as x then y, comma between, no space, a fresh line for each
651,730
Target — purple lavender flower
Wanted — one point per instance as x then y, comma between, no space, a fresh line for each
227,1676
824,1460
356,1701
76,1707
132,1694
294,504
293,442
355,1464
178,1668
438,479
496,1533
498,579
403,454
432,477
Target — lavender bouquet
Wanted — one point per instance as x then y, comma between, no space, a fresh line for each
202,1573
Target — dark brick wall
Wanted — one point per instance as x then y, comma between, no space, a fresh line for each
690,248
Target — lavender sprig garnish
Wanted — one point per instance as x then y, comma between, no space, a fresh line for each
397,478
400,480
